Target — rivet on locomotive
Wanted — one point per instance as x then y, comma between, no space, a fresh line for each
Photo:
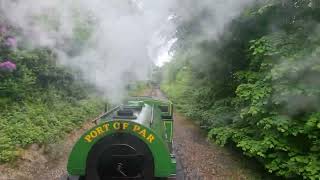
131,141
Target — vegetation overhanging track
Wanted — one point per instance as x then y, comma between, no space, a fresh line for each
256,85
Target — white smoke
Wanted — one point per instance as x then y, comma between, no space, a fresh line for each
118,40
215,15
117,50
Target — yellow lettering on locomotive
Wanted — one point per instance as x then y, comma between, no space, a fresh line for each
150,138
143,133
116,125
99,130
88,138
93,134
136,128
106,127
125,126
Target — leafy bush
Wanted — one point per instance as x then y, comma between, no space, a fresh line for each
39,100
264,95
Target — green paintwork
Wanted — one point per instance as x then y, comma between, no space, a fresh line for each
169,129
150,118
156,102
164,165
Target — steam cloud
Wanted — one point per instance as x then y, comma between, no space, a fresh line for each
116,41
218,15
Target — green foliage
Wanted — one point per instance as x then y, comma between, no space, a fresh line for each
259,88
138,88
41,123
40,102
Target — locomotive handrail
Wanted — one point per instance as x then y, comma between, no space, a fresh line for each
151,97
152,115
95,121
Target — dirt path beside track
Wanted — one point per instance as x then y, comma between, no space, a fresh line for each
202,160
199,159
37,164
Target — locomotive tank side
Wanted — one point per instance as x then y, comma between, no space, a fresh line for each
131,141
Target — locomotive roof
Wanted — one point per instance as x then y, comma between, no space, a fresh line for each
138,111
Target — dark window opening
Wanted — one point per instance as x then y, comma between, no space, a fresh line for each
164,109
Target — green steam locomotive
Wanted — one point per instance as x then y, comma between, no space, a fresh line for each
131,141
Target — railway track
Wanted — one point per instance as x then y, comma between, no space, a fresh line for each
196,158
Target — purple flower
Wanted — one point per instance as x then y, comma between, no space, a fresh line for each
11,42
8,66
3,29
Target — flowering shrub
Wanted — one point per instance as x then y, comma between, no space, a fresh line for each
39,102
10,42
7,40
3,29
7,66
